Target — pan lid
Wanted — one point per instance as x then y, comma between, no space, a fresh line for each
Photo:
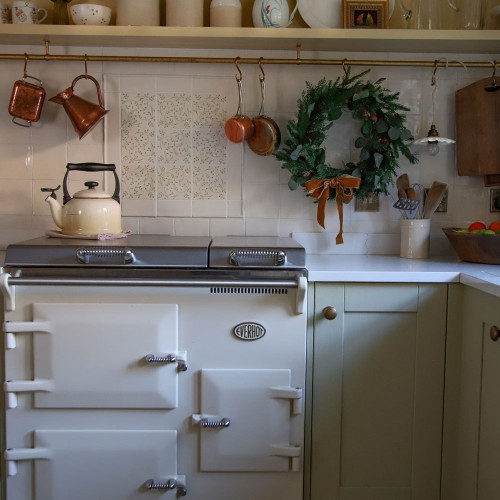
268,252
156,251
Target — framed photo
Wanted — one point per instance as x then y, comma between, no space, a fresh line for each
366,15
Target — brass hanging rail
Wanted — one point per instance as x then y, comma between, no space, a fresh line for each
245,60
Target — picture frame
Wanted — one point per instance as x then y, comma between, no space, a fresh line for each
366,15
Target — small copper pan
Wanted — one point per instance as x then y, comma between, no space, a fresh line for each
27,100
239,127
267,136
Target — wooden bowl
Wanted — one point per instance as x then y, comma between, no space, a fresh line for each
475,247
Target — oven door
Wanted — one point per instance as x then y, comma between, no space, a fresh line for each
98,355
107,386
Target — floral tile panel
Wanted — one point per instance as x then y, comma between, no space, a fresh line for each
168,141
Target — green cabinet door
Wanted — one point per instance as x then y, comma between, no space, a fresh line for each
473,471
377,391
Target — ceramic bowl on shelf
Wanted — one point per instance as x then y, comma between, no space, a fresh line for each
90,14
474,247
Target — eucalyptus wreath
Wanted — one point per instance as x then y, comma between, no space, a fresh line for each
384,136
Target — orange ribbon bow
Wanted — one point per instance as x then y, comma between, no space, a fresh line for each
344,187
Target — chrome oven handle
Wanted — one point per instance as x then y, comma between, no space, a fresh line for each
257,257
85,254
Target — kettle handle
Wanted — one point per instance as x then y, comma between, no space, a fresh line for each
98,87
90,167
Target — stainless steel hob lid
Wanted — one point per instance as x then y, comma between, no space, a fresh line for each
156,251
256,252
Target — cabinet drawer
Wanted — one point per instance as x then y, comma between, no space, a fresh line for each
381,297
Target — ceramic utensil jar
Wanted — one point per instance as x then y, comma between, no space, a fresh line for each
225,13
134,13
184,13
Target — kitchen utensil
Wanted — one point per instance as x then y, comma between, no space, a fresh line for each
267,136
90,211
478,127
272,14
405,202
84,115
27,99
433,198
91,14
239,127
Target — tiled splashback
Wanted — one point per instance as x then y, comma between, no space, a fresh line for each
167,136
180,175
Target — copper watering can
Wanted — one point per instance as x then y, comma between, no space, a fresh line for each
83,114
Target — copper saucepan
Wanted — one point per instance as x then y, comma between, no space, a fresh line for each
267,136
239,127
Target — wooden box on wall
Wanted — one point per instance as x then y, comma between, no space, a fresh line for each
478,129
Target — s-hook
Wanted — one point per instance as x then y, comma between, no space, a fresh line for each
25,65
493,87
86,58
239,76
262,76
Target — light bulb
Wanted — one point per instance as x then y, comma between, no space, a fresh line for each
433,147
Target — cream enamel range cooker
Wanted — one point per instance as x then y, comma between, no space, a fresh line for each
154,367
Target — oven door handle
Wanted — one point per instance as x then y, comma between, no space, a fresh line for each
7,282
211,283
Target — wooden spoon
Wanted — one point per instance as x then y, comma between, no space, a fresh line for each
433,198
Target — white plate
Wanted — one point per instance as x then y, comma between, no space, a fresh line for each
325,13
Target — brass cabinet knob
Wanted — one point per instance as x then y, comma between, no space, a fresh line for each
494,333
330,313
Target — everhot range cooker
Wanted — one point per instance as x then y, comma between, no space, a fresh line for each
154,367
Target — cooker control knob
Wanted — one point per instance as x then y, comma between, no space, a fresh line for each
329,313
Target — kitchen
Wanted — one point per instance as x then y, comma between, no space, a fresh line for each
257,200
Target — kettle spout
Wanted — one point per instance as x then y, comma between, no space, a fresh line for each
55,210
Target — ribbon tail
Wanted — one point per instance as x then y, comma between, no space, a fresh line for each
320,216
339,240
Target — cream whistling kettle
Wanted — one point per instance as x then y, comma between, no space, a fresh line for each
90,211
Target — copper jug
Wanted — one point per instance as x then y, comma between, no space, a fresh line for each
84,115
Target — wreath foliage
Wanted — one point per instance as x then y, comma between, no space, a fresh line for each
384,136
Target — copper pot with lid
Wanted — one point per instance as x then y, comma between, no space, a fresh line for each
27,99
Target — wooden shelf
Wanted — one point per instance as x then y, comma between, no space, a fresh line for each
338,40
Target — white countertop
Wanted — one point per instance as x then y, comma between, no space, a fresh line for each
393,269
